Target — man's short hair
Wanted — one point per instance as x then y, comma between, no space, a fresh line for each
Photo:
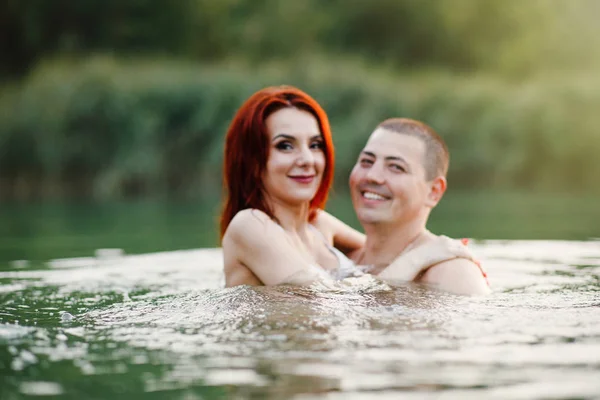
437,156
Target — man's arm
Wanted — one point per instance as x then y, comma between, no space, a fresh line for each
459,276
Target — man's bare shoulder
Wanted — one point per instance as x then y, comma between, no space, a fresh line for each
459,275
412,264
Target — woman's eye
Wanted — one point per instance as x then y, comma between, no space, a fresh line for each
317,145
397,167
284,146
365,162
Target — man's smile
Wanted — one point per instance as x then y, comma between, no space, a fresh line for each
369,195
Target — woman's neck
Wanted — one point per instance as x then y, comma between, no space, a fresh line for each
291,217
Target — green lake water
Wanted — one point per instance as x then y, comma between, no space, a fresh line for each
56,230
153,321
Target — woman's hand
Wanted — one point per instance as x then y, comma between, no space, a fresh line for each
413,263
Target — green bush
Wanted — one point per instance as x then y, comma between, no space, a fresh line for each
109,129
512,37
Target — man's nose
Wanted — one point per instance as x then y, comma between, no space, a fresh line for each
375,174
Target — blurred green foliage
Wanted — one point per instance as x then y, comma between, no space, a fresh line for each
512,37
107,129
111,99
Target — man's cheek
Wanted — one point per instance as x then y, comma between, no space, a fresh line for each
353,178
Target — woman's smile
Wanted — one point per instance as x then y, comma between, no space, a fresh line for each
303,179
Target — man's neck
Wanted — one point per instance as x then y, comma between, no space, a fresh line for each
386,242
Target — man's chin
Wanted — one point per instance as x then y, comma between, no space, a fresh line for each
369,217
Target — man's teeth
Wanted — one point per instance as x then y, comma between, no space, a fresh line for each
372,196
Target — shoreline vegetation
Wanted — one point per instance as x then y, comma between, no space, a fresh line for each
109,128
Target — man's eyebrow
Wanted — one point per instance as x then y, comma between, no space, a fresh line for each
396,158
368,153
388,158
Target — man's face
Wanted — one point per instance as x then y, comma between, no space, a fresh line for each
388,183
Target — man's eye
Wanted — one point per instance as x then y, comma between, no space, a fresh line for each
365,162
397,167
284,146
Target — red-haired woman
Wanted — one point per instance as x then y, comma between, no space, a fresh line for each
277,173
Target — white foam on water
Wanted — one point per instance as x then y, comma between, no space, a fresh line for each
536,336
39,388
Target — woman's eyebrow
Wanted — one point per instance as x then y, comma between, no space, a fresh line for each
290,137
283,135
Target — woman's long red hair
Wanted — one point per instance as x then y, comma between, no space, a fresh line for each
247,151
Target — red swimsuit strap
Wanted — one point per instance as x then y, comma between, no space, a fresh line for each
465,241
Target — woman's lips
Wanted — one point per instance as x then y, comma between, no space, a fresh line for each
303,178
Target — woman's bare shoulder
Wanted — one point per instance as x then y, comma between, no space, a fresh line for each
326,223
245,224
344,237
256,242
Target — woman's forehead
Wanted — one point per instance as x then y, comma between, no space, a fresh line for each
292,121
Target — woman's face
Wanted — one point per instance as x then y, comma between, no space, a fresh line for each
296,156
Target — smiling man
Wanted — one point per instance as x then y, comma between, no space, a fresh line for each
400,176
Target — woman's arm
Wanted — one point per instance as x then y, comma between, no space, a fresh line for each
256,242
412,264
342,236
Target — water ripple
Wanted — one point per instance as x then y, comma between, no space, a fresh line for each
162,323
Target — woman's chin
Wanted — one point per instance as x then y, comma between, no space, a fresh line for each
299,199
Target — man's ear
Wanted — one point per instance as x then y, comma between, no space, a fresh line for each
436,191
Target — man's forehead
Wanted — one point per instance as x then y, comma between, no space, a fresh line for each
386,143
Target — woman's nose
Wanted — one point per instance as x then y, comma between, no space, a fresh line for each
306,157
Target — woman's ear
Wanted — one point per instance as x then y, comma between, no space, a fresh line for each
436,191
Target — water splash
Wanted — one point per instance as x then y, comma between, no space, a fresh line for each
163,322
